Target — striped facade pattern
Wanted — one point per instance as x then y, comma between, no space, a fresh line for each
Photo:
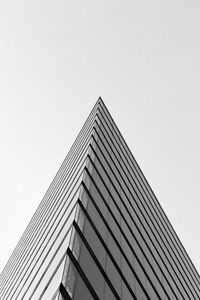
99,232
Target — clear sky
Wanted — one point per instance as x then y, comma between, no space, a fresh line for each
57,57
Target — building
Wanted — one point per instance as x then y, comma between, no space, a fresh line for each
99,232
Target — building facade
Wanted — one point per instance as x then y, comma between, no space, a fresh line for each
99,232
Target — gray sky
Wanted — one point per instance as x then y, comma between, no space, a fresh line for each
58,57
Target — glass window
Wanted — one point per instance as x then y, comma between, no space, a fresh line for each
95,243
126,230
115,182
114,228
54,283
102,172
99,201
117,256
108,293
92,272
100,185
114,210
127,250
112,246
70,278
81,291
113,275
94,215
140,295
74,283
115,196
102,160
128,274
126,295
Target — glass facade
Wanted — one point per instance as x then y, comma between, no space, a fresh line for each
99,232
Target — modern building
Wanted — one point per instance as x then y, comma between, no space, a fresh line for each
100,232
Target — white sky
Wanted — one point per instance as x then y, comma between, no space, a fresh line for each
57,57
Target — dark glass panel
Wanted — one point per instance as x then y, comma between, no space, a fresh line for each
98,200
108,293
126,295
128,274
97,220
127,250
114,228
112,246
95,243
100,184
92,272
113,275
102,159
81,292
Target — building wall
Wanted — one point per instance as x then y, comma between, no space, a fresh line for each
100,232
35,267
128,248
